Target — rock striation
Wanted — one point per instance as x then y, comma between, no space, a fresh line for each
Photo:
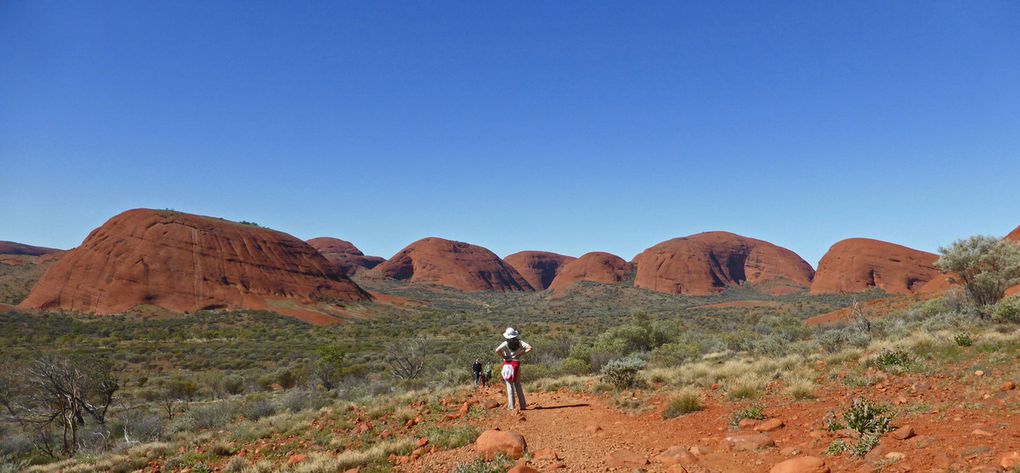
184,262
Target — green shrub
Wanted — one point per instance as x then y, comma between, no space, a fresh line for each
622,372
453,437
498,465
892,360
233,384
964,340
682,404
754,411
1007,310
869,420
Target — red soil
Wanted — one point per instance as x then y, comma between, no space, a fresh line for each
185,262
955,428
706,263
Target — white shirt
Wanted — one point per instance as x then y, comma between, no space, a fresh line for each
505,352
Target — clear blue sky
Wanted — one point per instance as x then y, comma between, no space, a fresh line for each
561,126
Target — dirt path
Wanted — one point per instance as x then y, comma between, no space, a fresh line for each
955,430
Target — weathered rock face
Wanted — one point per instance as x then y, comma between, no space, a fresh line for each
595,267
859,264
347,257
453,264
539,268
706,263
185,262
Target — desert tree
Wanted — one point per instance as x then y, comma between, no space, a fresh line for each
985,266
406,358
328,366
61,392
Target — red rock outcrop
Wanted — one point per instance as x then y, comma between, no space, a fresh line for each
1013,235
859,264
454,264
539,268
347,257
185,262
12,248
14,254
596,266
706,263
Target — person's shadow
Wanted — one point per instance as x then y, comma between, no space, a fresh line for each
565,406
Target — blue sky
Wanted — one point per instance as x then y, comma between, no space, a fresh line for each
559,126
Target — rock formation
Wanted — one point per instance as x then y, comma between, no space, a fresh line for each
185,262
859,264
595,267
706,263
452,264
347,257
539,268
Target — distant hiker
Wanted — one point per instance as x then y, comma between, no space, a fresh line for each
476,371
512,350
488,374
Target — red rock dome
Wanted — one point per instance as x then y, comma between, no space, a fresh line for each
453,264
706,263
859,264
595,267
347,257
185,262
539,268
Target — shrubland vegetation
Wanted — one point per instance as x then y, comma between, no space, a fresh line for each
152,386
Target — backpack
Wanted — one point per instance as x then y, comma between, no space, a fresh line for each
510,370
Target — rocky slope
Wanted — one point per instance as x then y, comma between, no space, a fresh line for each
859,264
595,267
539,268
347,257
706,263
185,262
452,264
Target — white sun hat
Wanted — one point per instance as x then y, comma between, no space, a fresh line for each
510,333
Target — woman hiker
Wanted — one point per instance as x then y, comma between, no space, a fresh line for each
512,350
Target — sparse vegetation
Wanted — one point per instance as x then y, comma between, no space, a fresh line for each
682,404
754,411
986,266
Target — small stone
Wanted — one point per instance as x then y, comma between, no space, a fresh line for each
494,442
1008,386
625,459
749,442
895,456
903,433
770,425
982,433
805,464
747,423
674,455
295,459
979,373
546,454
592,428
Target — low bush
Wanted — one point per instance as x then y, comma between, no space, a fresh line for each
621,373
682,404
754,411
869,420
